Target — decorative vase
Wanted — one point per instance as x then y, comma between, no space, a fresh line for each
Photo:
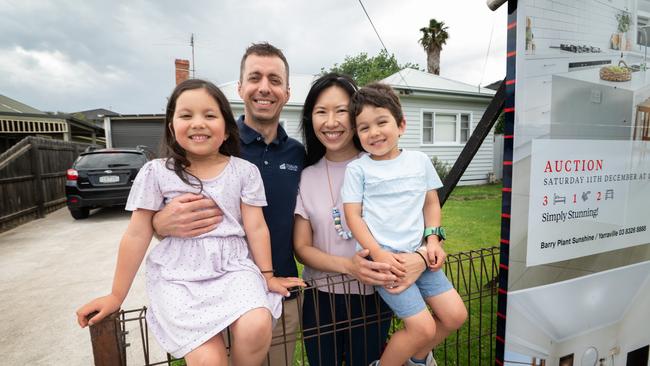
622,42
615,41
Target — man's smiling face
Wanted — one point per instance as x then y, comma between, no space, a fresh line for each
263,88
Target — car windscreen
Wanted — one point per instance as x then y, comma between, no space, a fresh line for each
110,160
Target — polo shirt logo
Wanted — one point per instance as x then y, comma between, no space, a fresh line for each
286,166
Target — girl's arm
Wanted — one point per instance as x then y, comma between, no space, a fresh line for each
433,217
357,266
259,242
133,247
363,235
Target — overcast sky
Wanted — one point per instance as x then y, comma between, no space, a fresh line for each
78,55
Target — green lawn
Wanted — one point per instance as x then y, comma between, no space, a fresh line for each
472,218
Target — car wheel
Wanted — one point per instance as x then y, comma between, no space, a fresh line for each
79,213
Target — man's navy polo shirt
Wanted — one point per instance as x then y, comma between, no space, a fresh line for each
280,164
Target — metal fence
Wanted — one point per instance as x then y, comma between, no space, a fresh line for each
123,337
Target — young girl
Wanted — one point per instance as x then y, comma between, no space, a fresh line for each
199,286
390,201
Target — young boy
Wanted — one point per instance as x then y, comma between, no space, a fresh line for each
389,200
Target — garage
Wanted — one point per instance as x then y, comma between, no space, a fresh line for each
134,130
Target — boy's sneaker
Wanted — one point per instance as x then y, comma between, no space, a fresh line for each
430,361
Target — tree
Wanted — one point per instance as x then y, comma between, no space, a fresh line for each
433,38
366,69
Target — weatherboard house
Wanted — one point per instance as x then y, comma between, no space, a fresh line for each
19,120
440,116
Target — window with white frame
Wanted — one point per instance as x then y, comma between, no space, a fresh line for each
445,127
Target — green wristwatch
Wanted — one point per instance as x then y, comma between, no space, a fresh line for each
435,230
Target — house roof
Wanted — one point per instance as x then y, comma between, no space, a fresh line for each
495,85
423,81
9,105
299,84
96,114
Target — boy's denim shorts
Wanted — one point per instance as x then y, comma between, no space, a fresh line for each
411,301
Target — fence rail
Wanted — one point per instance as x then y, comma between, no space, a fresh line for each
473,273
32,178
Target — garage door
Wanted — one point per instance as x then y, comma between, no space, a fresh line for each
131,133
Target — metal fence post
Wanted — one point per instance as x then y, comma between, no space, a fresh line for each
104,337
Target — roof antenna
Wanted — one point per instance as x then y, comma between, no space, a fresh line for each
192,45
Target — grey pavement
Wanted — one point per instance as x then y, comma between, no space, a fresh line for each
50,267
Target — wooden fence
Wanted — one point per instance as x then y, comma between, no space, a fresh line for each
32,179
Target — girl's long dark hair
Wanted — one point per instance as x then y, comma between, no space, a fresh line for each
316,149
175,154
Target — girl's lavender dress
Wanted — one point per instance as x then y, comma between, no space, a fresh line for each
199,286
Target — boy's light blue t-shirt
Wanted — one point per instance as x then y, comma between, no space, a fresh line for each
392,194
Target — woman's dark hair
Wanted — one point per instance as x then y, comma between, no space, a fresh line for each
315,149
175,154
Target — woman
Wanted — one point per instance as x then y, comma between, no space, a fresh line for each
324,245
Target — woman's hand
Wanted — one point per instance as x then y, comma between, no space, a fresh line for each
414,268
187,215
369,272
283,285
104,305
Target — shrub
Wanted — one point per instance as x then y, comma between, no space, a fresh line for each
441,167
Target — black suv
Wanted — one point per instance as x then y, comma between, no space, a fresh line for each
102,178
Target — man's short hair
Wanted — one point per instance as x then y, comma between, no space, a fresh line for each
264,49
377,95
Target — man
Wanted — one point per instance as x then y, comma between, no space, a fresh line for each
264,88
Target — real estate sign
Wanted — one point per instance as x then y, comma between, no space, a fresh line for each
586,197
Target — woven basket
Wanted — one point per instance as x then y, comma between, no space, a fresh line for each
609,75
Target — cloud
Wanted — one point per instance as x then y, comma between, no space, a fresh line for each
54,71
52,78
71,55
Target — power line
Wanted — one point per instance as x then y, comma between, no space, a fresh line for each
487,54
373,26
399,71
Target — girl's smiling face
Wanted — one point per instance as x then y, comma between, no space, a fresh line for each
198,125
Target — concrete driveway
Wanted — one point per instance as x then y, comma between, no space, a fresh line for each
50,267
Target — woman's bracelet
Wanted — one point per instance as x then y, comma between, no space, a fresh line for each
272,271
426,264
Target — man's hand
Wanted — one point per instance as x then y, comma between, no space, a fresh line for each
283,285
104,305
187,215
435,253
370,272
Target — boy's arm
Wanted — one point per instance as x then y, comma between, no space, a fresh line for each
133,247
259,242
433,217
363,235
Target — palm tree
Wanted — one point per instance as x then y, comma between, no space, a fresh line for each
433,38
